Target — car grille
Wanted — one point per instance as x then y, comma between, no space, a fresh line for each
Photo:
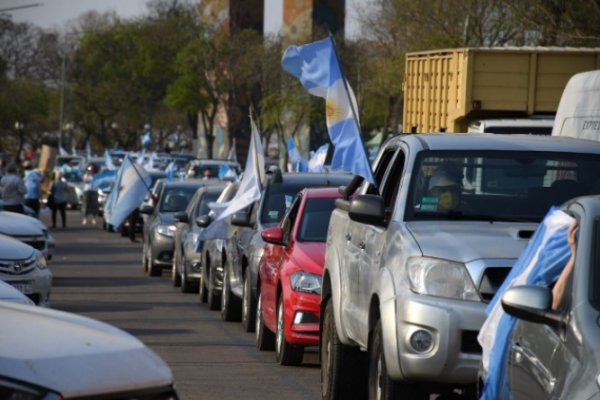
491,281
37,242
17,267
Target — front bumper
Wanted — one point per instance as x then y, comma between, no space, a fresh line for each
35,284
454,355
162,249
302,316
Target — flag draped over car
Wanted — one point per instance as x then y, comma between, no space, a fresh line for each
541,263
250,190
133,186
317,67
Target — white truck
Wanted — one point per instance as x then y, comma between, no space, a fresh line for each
410,264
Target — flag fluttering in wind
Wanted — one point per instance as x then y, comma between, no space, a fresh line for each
140,158
541,263
232,155
133,186
297,163
146,139
149,164
317,159
227,173
104,179
62,151
108,162
317,67
170,171
73,151
250,190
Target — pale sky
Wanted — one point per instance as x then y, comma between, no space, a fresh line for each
53,14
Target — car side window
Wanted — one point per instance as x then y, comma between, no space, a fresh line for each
381,168
391,186
289,219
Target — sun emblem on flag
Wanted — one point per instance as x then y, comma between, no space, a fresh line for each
333,111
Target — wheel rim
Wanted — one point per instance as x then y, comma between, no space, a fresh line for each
279,337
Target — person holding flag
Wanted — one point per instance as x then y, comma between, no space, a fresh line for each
317,67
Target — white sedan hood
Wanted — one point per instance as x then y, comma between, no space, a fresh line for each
73,355
12,249
15,224
466,241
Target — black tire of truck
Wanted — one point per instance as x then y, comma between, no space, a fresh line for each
343,368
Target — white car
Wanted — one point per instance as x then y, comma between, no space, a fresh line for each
49,354
28,230
26,269
10,293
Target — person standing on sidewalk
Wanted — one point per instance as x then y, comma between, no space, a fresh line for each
90,196
13,190
58,194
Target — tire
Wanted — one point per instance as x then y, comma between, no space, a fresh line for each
187,286
202,289
343,368
285,353
153,270
175,277
248,304
230,304
214,302
265,339
124,231
381,387
144,260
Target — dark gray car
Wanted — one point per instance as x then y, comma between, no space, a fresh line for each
556,354
159,229
245,249
186,260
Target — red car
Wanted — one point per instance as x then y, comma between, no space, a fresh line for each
289,281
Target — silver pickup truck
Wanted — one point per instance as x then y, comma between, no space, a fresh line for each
410,264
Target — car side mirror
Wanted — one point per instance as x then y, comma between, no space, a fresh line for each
531,303
367,209
203,221
241,219
273,235
181,216
146,209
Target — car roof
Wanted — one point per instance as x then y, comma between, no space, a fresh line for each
470,141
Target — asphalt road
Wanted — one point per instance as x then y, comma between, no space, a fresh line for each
99,274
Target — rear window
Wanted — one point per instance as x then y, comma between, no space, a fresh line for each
315,220
277,200
176,199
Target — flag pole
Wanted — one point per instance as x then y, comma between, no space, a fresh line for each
354,113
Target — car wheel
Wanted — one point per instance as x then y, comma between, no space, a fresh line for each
175,277
144,259
230,304
153,270
124,230
248,304
187,286
265,339
343,374
380,385
285,353
213,296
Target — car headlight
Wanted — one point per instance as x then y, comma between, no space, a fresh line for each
443,278
166,230
40,261
306,282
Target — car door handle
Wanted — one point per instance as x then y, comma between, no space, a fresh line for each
362,245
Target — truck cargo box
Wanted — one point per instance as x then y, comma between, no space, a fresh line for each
444,90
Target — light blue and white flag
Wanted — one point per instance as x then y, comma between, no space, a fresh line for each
232,155
149,164
249,191
108,162
317,67
73,151
317,159
541,263
88,150
170,171
140,158
104,179
296,162
62,151
146,139
227,173
134,185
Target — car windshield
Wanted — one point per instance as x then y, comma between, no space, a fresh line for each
315,220
206,199
277,200
498,185
176,199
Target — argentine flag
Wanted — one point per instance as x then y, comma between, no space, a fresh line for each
317,159
317,67
130,191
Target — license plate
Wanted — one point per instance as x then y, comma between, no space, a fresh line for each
23,287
